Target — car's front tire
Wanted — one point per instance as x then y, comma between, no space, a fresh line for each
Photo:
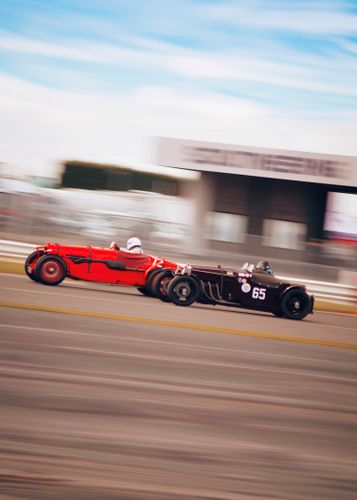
50,270
183,290
295,304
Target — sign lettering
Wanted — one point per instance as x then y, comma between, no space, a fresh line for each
267,162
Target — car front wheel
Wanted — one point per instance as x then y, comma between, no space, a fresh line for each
183,290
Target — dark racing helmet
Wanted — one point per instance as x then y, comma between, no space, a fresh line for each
264,265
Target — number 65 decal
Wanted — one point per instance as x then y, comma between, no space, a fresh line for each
258,293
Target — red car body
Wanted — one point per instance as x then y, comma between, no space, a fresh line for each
51,263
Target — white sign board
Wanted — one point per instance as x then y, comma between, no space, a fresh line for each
258,162
341,215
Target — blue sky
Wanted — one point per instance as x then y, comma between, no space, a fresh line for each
98,79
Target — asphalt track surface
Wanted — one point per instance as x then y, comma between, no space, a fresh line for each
107,394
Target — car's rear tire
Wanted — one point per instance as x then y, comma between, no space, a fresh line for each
295,304
142,290
278,314
29,269
50,270
161,283
150,281
183,290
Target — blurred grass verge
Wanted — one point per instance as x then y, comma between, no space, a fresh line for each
9,267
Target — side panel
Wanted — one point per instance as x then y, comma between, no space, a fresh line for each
255,291
100,267
80,271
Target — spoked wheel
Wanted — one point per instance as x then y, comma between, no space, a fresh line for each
295,304
183,290
160,285
50,270
30,266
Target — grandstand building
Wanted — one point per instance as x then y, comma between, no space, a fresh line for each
267,201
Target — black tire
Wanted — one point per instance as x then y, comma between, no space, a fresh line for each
30,259
160,285
150,281
295,304
183,290
50,270
143,290
278,314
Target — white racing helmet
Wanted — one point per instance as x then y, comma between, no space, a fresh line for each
133,243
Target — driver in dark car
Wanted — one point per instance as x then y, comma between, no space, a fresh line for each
263,265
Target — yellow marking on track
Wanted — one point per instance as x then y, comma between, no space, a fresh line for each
181,324
332,307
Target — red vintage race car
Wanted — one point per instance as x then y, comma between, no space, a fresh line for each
51,263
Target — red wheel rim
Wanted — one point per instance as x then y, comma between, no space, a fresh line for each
51,270
164,285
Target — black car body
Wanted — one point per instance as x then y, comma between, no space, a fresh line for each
252,287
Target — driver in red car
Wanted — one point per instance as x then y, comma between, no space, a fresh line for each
133,245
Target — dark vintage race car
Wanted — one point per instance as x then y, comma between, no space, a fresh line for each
51,263
252,287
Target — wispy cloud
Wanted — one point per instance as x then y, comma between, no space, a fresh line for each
311,73
84,51
320,18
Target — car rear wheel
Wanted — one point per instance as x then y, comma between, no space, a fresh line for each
150,282
278,314
30,267
183,290
50,270
161,283
295,304
143,290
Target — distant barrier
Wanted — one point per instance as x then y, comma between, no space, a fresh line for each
15,249
329,291
324,290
